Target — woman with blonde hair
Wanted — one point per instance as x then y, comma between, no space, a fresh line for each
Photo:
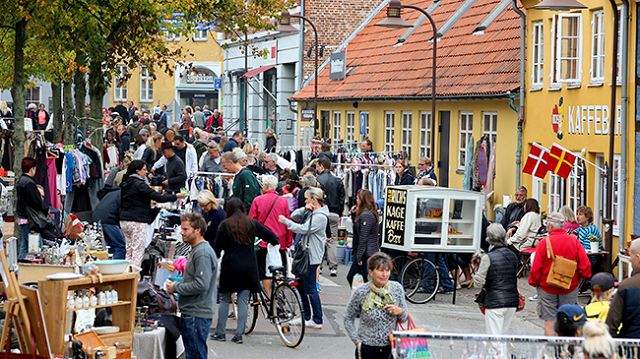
570,223
152,152
212,213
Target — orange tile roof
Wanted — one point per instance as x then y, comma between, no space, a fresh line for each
467,64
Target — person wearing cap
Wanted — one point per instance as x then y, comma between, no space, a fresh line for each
602,290
623,319
569,320
175,173
562,245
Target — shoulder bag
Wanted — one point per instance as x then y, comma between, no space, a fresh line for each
562,269
300,257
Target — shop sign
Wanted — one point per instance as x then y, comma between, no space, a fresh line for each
308,114
200,78
337,62
394,216
591,120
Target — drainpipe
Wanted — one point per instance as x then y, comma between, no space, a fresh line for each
636,131
523,32
624,97
298,126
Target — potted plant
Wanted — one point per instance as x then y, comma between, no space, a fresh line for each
594,242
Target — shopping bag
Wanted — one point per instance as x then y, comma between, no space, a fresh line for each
409,348
273,258
357,282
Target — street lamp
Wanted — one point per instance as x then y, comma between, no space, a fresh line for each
566,5
285,26
395,21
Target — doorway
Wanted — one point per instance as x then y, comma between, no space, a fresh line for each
324,124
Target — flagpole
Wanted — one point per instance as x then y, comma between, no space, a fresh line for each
604,170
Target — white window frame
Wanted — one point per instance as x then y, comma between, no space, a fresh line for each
597,47
30,91
337,126
425,134
537,56
407,122
558,59
616,210
389,131
120,92
146,85
556,193
490,118
465,122
200,35
351,127
574,185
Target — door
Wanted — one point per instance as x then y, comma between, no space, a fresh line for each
324,124
443,163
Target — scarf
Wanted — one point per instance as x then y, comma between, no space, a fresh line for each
146,180
377,298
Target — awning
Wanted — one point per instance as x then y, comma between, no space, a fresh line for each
258,70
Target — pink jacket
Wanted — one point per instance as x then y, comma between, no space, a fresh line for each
266,209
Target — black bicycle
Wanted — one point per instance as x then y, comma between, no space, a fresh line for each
283,308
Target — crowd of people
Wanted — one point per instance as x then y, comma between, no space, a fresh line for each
148,161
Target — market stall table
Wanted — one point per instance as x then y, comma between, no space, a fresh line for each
151,344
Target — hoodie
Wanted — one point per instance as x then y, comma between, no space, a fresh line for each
313,228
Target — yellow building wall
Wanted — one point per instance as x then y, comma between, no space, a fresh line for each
588,96
164,88
504,183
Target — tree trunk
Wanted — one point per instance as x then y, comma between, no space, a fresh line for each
80,87
69,120
57,110
18,93
97,88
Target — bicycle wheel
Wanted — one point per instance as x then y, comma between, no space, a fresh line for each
398,264
421,280
252,314
288,315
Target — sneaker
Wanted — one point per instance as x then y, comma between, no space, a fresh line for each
296,321
534,298
318,287
237,339
334,272
313,325
218,337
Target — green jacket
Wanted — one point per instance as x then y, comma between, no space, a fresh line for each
246,187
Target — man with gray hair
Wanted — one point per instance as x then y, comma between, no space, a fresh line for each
623,319
245,184
551,296
497,275
210,160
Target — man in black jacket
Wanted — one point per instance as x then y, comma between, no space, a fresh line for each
176,175
623,319
29,204
515,210
107,212
334,196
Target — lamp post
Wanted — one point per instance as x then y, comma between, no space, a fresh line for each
566,5
285,26
395,21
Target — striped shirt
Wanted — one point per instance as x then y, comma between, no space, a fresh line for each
584,234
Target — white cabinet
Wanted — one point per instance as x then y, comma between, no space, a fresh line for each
432,219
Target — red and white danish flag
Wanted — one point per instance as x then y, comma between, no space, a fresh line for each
559,160
536,164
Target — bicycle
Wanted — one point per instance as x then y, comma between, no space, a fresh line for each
420,279
283,308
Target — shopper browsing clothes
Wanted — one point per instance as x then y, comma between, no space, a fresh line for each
197,288
29,203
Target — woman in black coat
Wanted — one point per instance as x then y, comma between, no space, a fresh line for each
403,174
239,268
135,209
365,234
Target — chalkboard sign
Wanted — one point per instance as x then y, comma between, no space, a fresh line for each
395,213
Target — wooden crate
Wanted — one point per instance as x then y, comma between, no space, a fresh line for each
54,299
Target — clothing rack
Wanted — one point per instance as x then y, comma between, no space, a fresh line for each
361,165
223,174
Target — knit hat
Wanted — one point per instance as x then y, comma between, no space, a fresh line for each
603,280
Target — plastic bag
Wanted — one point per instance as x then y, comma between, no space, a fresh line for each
273,258
357,282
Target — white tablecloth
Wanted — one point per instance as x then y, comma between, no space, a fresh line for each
151,344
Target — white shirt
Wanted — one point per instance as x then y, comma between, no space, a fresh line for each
191,159
139,152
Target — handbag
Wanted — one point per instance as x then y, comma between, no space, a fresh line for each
562,269
300,260
410,347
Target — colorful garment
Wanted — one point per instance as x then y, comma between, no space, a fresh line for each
587,233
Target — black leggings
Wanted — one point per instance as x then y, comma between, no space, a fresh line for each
370,352
355,269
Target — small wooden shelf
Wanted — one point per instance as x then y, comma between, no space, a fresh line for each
125,302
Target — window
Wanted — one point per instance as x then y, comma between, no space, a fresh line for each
568,48
32,95
407,117
389,129
538,54
425,134
170,32
337,118
466,134
575,185
146,85
200,35
556,192
597,47
615,207
364,124
490,122
121,84
351,127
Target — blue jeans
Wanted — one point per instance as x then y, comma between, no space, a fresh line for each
310,296
114,238
195,332
223,312
439,259
23,243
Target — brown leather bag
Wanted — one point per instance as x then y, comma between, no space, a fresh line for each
562,269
